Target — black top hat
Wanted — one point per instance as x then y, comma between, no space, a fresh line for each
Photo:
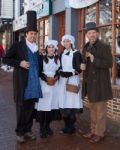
31,21
91,26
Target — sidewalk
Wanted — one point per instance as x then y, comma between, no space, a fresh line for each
57,141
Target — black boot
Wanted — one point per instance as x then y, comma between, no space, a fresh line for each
42,125
66,127
71,125
47,123
43,133
49,130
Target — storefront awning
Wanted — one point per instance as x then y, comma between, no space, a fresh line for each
81,3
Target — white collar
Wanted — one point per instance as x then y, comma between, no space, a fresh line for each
66,51
71,51
32,46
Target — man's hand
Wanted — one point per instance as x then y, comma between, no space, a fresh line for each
24,64
88,54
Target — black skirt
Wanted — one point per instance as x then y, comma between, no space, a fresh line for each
70,111
52,115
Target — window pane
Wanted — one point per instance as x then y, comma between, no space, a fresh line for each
41,42
106,34
41,27
46,27
105,11
118,41
118,11
46,38
91,14
118,54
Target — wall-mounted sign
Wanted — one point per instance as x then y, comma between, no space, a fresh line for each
42,7
20,23
81,3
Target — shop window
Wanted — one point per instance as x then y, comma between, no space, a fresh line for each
106,34
91,14
105,12
117,58
43,32
117,42
46,30
118,12
81,25
21,7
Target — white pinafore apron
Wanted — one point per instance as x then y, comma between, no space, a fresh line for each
50,96
69,99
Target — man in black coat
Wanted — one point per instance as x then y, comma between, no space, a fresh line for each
97,59
24,57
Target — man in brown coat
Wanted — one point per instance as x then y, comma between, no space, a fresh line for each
97,59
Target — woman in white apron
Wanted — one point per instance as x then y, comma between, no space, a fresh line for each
49,85
70,102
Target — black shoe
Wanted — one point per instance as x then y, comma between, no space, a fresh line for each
49,131
65,130
71,130
20,139
43,133
68,130
30,136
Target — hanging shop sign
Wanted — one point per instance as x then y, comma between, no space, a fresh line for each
81,3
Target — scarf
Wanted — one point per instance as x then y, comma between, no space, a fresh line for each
32,46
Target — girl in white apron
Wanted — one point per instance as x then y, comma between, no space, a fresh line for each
70,101
49,85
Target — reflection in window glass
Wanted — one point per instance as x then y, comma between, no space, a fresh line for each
106,34
46,38
41,28
91,14
46,27
41,42
118,41
118,11
118,54
43,32
105,11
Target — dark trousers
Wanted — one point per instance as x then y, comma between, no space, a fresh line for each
24,115
0,61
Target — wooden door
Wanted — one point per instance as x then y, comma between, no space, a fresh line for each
61,30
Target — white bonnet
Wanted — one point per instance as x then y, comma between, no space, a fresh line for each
51,42
68,37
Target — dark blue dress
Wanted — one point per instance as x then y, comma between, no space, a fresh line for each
33,89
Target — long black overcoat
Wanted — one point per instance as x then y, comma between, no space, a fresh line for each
14,55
